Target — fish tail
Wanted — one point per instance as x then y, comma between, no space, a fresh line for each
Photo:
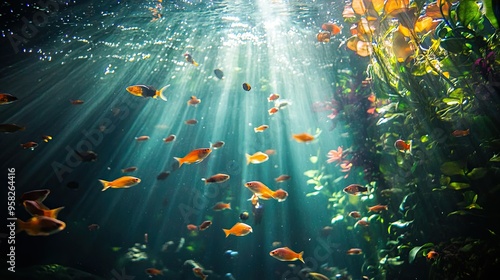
179,160
300,257
20,225
195,63
160,93
227,232
54,212
229,205
248,158
410,143
105,184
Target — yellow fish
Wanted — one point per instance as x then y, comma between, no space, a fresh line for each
258,157
120,183
195,156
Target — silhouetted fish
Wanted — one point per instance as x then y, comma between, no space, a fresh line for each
10,127
163,175
87,156
219,74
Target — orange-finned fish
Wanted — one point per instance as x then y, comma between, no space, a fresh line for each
324,36
193,101
286,254
355,214
36,208
273,110
332,27
40,226
198,272
221,206
356,189
258,157
272,97
363,223
195,156
190,59
263,192
303,137
205,225
153,272
460,133
192,227
260,128
403,146
239,229
378,208
147,91
432,255
217,178
120,183
282,178
169,138
354,251
29,145
6,98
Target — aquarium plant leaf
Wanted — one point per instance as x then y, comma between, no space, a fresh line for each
490,7
311,173
414,252
468,12
477,173
312,193
453,168
495,158
458,185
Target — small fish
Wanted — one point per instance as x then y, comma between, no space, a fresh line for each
324,36
355,214
205,225
46,138
432,255
147,91
163,175
231,254
198,272
263,192
282,178
303,137
331,27
286,254
273,110
219,74
217,145
260,128
239,229
141,138
195,156
93,227
354,251
362,223
29,145
217,178
87,156
6,98
273,97
356,189
36,195
282,103
120,183
276,244
256,158
76,102
191,122
73,185
129,169
246,87
146,238
36,208
244,216
10,128
40,226
169,138
193,101
153,272
326,231
270,152
192,227
190,59
221,206
403,146
378,208
460,133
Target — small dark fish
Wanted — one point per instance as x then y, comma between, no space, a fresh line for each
6,98
169,138
76,102
246,87
282,178
190,59
217,145
191,121
36,195
219,74
217,178
205,225
73,185
163,175
10,128
93,227
244,216
87,156
129,169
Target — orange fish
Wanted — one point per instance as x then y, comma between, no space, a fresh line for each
403,146
324,36
332,27
460,133
141,138
260,128
40,226
354,251
198,272
29,145
120,183
286,254
222,206
377,208
239,229
6,98
170,138
192,227
147,91
36,208
217,178
190,59
263,192
195,156
153,272
356,189
303,137
362,223
273,110
76,102
193,101
354,214
258,157
282,178
272,97
205,225
432,255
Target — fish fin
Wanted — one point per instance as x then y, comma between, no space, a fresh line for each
160,93
54,212
195,63
229,205
20,225
248,158
410,143
179,160
300,257
227,232
105,184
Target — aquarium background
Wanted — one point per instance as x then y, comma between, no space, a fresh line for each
395,71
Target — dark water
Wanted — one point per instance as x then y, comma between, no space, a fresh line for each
94,50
